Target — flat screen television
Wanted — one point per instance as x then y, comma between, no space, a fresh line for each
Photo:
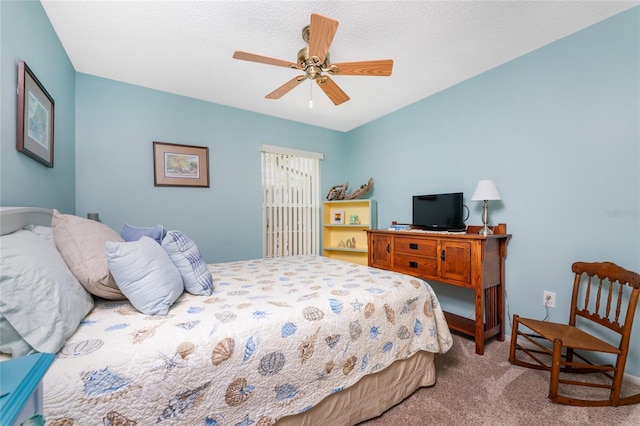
438,212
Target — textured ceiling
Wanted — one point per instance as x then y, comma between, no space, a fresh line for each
186,47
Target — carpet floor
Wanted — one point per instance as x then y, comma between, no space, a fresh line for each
488,390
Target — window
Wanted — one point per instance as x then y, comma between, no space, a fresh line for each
290,202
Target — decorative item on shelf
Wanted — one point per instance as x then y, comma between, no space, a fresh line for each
360,192
351,243
395,226
338,192
337,217
354,219
94,216
485,190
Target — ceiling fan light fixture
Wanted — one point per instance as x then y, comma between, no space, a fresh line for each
311,66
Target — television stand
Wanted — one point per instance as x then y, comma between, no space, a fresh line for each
466,260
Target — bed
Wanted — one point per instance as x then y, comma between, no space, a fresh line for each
304,340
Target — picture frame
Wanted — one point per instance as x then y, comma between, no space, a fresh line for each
337,217
180,165
35,117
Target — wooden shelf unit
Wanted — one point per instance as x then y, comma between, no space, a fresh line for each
466,260
335,236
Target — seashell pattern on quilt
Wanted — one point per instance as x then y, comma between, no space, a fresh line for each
275,338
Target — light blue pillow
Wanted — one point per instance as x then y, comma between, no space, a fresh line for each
11,342
184,253
145,274
134,233
42,302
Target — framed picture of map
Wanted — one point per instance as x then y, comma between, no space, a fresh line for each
35,117
180,165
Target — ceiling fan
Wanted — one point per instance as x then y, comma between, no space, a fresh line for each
314,61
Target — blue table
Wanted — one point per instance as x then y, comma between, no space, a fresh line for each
21,387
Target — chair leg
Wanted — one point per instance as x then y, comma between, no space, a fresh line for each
569,358
514,338
618,377
617,385
555,370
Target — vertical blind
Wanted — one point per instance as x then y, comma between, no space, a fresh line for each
290,202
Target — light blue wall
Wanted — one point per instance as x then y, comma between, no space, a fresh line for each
116,126
27,34
558,130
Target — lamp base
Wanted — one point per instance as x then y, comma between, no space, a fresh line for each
485,231
485,220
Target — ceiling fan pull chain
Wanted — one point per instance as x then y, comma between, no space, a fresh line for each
310,94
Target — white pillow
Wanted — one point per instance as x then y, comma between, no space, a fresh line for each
41,299
45,232
81,244
145,274
185,255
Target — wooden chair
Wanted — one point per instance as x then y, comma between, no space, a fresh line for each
597,300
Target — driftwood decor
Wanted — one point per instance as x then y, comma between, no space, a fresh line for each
339,192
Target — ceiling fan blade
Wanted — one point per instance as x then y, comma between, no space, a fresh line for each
285,88
332,90
252,57
381,68
321,32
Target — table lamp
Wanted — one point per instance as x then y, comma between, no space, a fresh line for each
485,190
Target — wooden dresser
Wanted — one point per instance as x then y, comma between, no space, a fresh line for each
467,260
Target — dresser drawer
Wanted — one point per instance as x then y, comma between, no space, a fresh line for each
415,265
415,246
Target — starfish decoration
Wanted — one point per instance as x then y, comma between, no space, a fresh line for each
357,306
170,363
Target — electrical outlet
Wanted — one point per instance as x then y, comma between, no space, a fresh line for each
549,299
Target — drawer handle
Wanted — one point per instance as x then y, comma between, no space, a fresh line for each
388,248
413,264
413,246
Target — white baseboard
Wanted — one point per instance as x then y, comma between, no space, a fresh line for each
632,379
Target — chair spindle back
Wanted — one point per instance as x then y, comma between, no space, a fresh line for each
608,282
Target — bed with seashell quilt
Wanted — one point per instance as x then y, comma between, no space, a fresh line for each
302,340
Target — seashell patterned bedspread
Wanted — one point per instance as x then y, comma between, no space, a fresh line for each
275,338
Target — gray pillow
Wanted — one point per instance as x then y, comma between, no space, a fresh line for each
42,302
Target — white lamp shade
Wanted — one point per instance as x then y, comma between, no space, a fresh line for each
486,190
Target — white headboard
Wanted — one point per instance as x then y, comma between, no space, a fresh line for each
14,218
